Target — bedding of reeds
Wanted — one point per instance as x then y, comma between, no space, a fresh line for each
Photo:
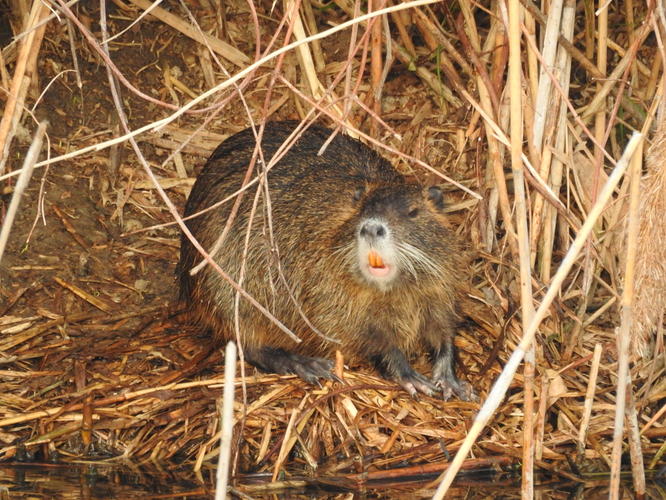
95,360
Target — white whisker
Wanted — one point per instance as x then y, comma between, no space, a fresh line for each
414,259
346,253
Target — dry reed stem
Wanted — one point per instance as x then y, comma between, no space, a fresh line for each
565,42
374,97
635,448
226,422
548,54
590,265
21,184
303,51
72,48
526,301
589,398
541,420
496,155
624,331
532,64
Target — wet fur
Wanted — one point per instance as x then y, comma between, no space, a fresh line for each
317,204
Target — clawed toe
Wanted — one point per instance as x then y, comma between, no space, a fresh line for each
415,383
313,369
274,360
448,387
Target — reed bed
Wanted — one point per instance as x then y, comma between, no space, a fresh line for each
546,127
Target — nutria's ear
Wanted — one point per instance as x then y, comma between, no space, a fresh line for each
436,196
358,193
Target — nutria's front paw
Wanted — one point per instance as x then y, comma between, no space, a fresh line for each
312,369
273,360
449,386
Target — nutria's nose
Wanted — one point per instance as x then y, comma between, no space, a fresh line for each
373,229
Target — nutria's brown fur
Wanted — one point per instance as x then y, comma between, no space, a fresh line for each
365,253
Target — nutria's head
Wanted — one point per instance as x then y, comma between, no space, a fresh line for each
400,237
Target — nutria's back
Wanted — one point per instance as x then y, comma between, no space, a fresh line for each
345,241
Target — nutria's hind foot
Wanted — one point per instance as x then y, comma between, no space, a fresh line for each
448,387
448,384
393,365
414,383
272,360
445,378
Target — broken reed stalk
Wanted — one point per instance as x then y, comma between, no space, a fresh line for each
72,50
589,399
556,169
599,98
500,386
624,332
548,54
635,448
220,47
543,122
226,422
602,66
22,182
303,51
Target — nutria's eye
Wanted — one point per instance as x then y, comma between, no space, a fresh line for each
436,196
413,213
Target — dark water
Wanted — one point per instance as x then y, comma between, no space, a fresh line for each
42,481
45,481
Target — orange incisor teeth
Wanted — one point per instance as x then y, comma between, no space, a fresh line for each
375,259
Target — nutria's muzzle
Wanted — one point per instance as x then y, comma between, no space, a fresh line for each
376,252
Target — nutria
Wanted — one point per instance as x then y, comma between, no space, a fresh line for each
365,253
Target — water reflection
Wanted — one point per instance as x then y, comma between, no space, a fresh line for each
101,481
90,482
